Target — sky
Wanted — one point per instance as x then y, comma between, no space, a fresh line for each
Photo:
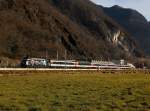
143,6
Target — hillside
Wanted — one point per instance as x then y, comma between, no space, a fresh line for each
134,22
36,27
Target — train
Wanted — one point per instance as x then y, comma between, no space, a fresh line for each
74,64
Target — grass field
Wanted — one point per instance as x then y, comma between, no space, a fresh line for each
75,91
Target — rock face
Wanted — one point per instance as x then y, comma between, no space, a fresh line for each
37,27
134,22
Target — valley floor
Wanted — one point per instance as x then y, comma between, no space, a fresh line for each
75,91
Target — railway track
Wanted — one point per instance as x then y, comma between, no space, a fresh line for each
42,69
59,69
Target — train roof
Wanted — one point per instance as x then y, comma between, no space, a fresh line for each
36,59
63,60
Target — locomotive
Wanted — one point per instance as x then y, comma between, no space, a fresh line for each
34,63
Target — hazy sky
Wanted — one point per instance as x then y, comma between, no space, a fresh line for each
143,6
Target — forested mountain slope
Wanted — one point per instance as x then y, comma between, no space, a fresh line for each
36,27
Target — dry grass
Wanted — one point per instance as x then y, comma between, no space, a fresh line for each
75,91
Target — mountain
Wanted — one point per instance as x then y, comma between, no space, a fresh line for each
134,22
45,27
